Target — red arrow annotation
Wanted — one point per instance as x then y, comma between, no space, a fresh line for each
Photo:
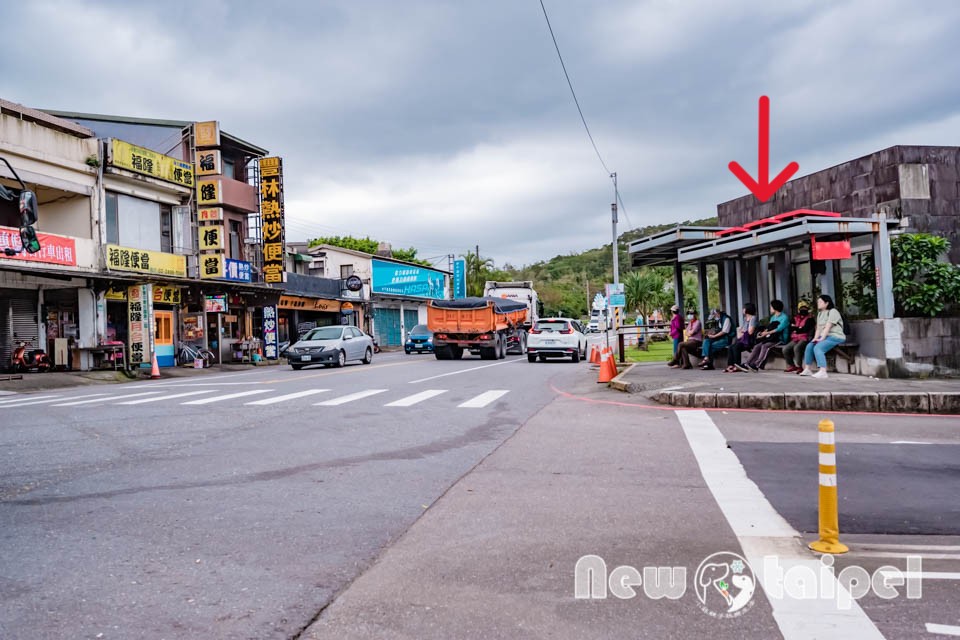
763,188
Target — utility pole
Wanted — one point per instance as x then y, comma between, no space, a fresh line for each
616,248
586,281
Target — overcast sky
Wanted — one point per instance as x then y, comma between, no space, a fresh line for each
443,125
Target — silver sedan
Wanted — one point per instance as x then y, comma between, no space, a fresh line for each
334,345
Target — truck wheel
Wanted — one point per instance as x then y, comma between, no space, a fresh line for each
456,352
442,353
488,353
502,353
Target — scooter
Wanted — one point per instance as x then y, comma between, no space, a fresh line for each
23,361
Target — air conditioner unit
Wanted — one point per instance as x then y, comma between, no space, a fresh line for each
250,241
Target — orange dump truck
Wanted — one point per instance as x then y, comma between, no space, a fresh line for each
482,326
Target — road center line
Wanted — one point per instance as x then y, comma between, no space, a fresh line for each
456,373
764,532
23,398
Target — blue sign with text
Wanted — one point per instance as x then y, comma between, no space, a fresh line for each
236,270
390,278
459,279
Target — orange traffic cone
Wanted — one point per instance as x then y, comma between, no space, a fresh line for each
608,368
594,354
155,371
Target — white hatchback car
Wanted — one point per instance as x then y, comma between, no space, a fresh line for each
556,338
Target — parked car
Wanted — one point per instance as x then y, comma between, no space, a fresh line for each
556,338
334,345
420,339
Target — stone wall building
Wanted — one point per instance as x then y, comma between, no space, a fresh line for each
918,183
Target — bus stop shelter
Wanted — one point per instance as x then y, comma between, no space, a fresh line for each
755,262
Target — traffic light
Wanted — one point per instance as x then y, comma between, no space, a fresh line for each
29,240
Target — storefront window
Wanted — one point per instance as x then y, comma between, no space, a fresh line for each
166,229
113,227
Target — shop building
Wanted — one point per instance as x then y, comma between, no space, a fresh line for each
394,293
311,300
187,196
47,298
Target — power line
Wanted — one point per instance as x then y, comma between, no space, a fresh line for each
572,92
579,110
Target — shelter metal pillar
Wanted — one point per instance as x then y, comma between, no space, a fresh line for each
827,280
763,286
782,280
730,288
742,285
678,285
884,269
703,289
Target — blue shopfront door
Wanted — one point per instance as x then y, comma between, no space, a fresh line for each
387,326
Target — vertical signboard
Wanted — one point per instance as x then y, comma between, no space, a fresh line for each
271,214
459,279
207,134
271,344
140,324
209,163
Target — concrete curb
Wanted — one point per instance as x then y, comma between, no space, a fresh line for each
620,383
939,403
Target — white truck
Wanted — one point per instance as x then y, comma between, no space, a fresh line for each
520,291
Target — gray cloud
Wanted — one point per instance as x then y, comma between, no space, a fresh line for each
446,124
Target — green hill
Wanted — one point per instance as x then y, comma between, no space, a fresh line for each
562,281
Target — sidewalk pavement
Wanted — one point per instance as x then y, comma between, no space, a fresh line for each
776,390
29,382
495,556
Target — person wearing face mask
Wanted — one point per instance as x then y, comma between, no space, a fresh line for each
801,332
676,332
690,347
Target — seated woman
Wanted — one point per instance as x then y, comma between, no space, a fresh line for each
829,335
746,338
716,339
802,328
775,334
691,346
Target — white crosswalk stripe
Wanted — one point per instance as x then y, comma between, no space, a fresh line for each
168,397
106,399
350,398
23,398
416,398
53,399
229,396
484,399
284,398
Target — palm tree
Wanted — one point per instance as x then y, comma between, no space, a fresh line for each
645,291
477,271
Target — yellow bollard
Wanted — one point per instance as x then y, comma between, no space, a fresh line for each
829,541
